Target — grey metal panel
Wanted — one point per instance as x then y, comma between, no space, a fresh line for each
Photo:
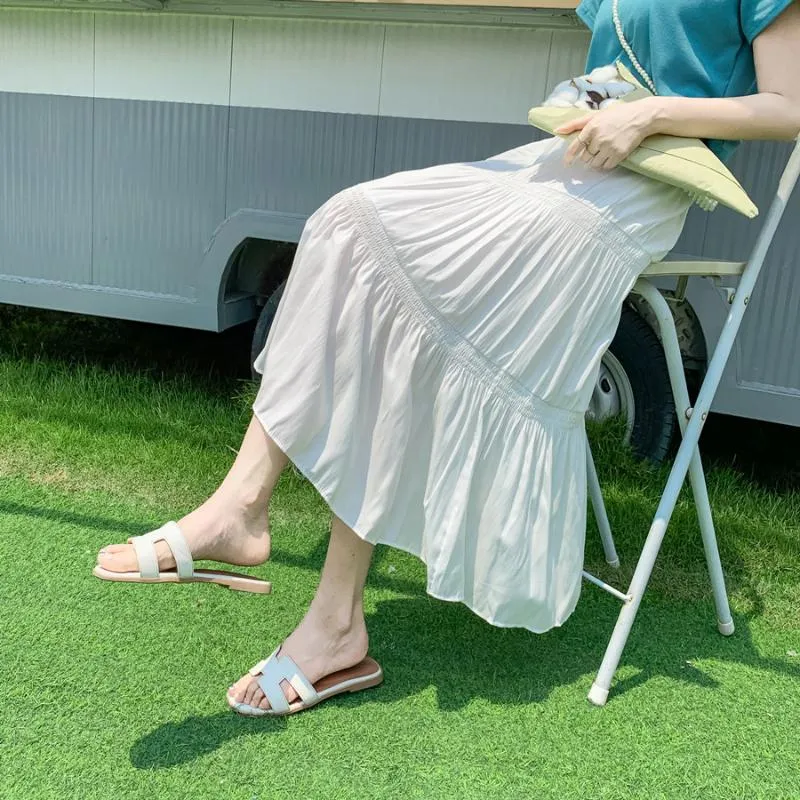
764,358
692,240
733,397
770,336
159,189
45,186
293,161
761,380
414,143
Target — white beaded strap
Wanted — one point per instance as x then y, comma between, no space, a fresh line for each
703,200
628,50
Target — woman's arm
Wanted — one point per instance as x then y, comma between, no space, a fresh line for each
774,113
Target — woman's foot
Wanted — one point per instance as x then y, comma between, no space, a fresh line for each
320,646
221,529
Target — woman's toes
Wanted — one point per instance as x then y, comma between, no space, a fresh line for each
122,557
117,558
237,691
258,700
251,691
247,692
112,549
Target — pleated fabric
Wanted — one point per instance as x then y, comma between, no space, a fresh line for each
435,351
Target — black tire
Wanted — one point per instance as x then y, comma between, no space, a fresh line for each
638,352
263,325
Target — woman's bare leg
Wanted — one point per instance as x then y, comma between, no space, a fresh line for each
232,525
333,633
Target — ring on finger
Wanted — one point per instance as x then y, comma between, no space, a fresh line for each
592,153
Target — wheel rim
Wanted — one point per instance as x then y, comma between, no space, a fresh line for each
613,394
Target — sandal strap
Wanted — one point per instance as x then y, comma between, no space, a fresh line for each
145,556
144,547
275,669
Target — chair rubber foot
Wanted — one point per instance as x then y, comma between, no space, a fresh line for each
598,695
725,628
614,563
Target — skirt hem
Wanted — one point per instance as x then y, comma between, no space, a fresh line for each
307,473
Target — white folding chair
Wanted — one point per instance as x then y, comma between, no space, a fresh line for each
691,420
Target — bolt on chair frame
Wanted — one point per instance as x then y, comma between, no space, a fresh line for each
691,421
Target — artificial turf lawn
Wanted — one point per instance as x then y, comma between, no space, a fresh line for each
116,691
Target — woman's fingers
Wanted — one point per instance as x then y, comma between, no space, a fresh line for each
589,153
570,127
611,162
594,154
598,161
575,150
577,145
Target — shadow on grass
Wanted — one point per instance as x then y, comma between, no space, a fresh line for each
424,643
13,508
177,743
125,345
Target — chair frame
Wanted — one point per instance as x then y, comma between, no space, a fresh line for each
691,421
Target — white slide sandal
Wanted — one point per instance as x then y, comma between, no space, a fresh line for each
145,548
276,668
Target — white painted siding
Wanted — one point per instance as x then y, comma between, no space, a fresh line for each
463,73
308,65
46,53
419,71
175,58
567,56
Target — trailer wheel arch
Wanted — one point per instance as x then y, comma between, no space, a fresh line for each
217,277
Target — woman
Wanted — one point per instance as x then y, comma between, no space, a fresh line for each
439,338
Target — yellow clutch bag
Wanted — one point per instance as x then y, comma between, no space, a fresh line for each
679,161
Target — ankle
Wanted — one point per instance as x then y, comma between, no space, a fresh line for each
239,501
337,620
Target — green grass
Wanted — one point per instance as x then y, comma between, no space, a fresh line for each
114,691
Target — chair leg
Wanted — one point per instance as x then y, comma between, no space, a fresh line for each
686,457
700,493
644,568
680,391
599,509
687,452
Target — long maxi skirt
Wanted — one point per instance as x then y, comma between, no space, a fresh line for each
434,354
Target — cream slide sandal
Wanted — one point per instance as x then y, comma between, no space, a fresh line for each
271,671
145,549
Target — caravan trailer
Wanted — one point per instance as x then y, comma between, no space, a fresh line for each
159,160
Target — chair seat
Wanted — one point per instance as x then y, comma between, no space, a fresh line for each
660,269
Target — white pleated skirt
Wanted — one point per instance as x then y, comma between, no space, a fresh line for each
434,354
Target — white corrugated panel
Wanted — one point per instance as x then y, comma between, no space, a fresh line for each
567,56
184,59
307,65
46,53
463,73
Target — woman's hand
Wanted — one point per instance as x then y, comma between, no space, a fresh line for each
608,137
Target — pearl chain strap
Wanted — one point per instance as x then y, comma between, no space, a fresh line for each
627,48
704,201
